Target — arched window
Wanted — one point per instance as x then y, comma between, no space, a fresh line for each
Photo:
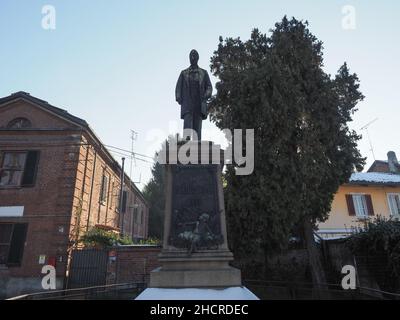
19,123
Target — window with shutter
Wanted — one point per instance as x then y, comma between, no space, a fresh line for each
350,205
12,242
394,203
17,243
370,207
18,168
32,160
360,205
5,240
104,189
112,193
140,216
12,168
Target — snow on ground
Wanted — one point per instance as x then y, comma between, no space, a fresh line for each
232,293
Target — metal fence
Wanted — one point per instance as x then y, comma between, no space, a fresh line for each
122,291
281,290
265,290
88,268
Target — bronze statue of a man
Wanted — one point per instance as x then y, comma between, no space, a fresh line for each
193,89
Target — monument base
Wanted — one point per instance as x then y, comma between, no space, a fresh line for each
231,293
161,278
209,268
195,256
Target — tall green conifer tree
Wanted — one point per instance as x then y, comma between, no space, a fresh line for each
304,148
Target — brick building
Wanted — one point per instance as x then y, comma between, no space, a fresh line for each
57,180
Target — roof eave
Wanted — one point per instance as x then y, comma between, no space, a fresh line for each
373,183
81,123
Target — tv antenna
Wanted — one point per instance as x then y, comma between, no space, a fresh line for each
369,138
134,135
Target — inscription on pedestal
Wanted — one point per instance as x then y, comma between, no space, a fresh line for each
196,221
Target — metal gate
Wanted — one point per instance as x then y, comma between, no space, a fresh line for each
88,268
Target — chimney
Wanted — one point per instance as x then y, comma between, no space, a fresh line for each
393,163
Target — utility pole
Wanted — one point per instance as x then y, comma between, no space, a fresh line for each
369,139
121,197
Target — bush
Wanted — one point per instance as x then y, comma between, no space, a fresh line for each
150,241
98,237
380,238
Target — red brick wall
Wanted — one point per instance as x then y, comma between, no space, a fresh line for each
64,177
133,264
39,119
379,167
47,205
90,171
91,167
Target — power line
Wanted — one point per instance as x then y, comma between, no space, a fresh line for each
128,151
56,145
129,156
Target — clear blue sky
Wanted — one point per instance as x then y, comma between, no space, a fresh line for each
115,63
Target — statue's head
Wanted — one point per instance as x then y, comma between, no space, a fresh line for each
194,57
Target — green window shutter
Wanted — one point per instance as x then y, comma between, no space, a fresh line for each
30,170
17,243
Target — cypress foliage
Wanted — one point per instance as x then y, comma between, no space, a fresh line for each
155,195
304,148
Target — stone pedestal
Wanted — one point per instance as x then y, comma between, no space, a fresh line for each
230,293
205,269
195,250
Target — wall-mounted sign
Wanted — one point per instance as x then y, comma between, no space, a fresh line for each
14,211
42,259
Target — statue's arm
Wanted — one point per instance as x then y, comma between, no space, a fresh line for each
209,88
178,89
